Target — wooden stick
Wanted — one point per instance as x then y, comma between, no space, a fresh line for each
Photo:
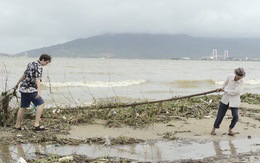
158,101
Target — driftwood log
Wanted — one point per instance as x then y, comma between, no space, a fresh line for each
157,101
5,98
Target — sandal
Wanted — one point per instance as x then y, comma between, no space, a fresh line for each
213,133
18,128
231,134
39,128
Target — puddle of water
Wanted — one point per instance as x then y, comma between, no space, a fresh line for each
152,151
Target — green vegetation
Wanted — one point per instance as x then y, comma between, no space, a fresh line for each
251,98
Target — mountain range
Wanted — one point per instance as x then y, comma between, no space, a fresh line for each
150,46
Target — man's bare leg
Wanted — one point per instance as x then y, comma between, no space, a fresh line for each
19,118
38,115
230,132
213,132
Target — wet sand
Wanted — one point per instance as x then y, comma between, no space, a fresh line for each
195,132
194,141
191,128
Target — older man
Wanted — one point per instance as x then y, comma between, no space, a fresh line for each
232,88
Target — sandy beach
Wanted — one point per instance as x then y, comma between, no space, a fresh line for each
189,135
190,128
225,148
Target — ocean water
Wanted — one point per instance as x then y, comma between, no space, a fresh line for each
77,81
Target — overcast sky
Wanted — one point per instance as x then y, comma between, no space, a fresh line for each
31,24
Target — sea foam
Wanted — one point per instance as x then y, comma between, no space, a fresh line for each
97,84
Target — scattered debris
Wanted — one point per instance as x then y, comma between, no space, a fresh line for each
59,120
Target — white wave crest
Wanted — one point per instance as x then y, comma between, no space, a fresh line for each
219,82
247,81
96,84
252,81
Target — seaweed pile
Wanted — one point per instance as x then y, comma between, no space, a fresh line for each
59,120
77,158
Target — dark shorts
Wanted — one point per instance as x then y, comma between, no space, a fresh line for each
27,98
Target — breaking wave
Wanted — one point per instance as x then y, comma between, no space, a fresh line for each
207,82
247,81
192,83
97,84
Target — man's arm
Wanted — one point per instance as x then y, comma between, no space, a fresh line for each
38,83
20,79
225,83
237,91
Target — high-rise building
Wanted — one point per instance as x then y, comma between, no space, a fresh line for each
215,54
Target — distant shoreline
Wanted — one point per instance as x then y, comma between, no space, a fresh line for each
177,59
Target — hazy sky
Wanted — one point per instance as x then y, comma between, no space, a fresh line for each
30,24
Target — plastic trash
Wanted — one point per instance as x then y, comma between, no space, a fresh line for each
66,159
107,141
21,160
56,145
